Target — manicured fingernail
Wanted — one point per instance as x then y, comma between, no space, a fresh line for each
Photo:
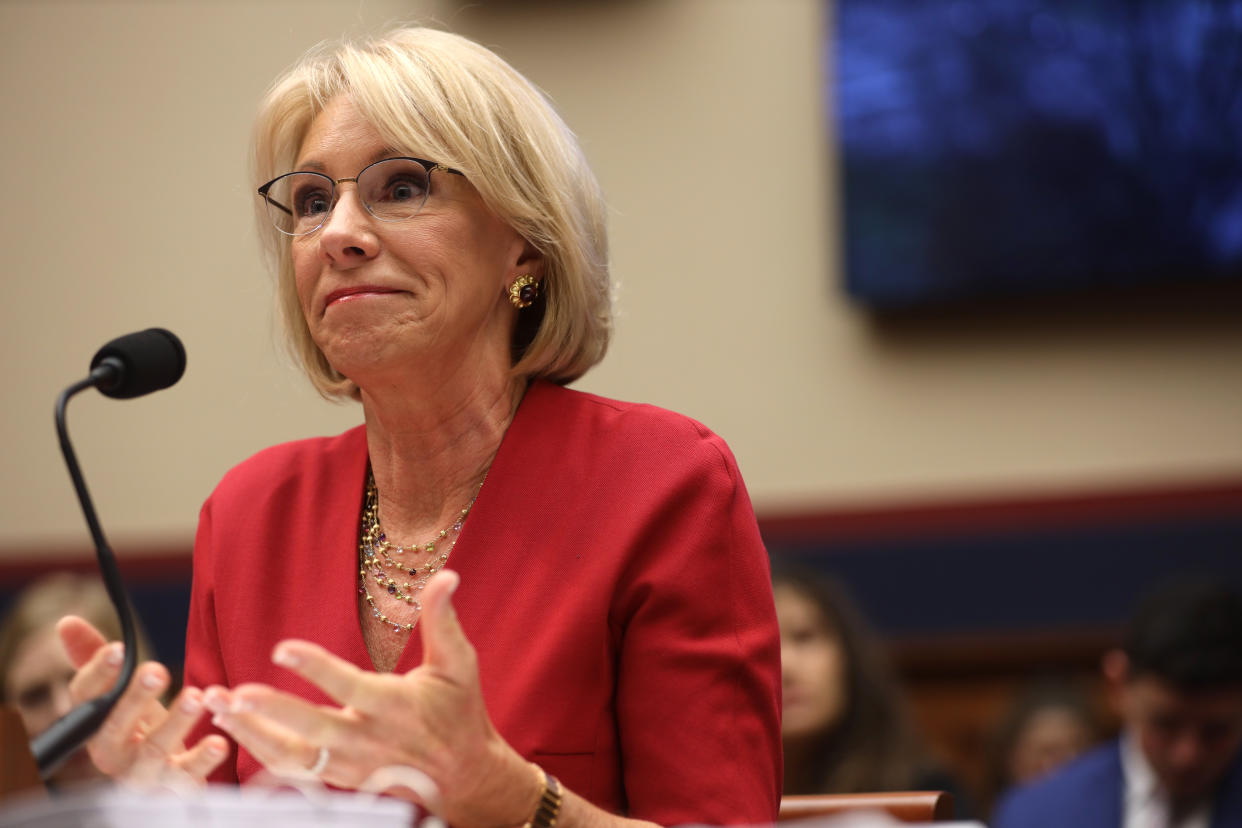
285,657
242,705
215,751
223,721
191,706
216,701
151,681
116,654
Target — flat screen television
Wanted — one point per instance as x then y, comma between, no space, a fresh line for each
1010,148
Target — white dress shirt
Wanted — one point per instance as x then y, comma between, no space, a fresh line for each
1146,804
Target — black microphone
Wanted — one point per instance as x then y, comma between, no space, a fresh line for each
138,363
128,366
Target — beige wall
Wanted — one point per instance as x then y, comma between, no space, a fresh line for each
704,121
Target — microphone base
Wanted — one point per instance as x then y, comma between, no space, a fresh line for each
68,733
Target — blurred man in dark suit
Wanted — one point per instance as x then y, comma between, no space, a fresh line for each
1178,763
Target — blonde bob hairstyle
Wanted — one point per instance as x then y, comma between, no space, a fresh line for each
440,96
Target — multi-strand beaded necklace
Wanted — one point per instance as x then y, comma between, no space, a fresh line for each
377,554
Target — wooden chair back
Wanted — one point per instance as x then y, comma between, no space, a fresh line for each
18,773
905,806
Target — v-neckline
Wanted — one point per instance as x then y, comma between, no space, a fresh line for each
412,652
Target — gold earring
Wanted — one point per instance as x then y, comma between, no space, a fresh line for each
524,291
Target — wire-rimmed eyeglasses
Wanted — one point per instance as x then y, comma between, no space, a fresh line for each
392,189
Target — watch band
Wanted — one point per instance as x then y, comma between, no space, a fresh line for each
549,808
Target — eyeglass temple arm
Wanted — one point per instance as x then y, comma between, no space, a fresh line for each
272,201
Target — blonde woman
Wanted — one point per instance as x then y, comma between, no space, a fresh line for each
554,604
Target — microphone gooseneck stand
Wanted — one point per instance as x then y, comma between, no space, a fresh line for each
54,745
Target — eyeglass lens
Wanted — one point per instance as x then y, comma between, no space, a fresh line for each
393,189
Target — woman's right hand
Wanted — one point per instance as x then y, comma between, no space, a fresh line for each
141,741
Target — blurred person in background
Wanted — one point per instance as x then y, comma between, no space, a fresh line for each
1177,684
844,727
1050,722
35,668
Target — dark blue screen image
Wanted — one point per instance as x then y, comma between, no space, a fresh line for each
1007,148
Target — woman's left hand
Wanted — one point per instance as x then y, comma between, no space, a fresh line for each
433,719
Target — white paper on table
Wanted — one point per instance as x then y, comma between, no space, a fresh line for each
217,806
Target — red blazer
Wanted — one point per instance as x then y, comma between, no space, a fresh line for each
612,580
